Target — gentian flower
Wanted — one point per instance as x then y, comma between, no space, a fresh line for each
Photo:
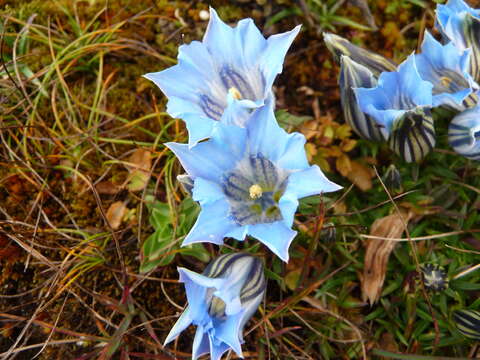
248,181
397,93
400,104
460,24
374,62
464,133
231,65
220,302
446,68
353,75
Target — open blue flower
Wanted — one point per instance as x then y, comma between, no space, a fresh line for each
464,133
396,94
446,67
460,24
248,182
220,302
230,65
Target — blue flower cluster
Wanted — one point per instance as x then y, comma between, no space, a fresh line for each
383,101
243,169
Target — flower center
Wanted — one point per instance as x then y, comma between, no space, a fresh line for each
217,307
253,190
235,93
236,84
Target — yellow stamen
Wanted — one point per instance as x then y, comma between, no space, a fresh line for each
235,93
445,81
255,191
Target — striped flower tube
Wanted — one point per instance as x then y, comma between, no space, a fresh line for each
464,133
413,135
468,323
354,75
374,62
220,302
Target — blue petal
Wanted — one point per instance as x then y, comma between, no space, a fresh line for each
212,225
239,233
228,331
288,205
449,18
205,191
197,308
201,343
274,55
396,93
182,323
210,159
267,138
193,279
309,182
447,69
276,236
220,38
217,348
199,127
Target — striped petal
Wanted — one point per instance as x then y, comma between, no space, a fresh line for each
468,323
413,135
374,62
354,75
464,133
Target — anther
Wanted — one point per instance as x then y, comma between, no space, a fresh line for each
235,93
255,191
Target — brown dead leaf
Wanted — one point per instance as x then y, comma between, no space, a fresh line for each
361,175
107,187
115,214
344,165
139,165
378,252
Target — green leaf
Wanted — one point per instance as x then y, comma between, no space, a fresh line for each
196,250
158,250
160,215
285,119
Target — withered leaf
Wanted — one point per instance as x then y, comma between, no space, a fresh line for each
378,252
115,214
107,187
139,165
360,175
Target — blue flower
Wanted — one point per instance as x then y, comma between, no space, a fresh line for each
447,69
248,181
353,75
396,94
460,24
464,133
231,65
220,302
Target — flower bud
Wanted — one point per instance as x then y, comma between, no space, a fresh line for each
464,133
434,277
468,323
374,62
